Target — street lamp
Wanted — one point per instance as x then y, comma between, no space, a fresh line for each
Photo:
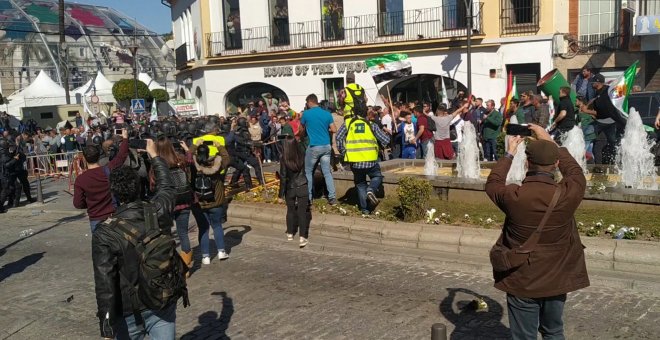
133,48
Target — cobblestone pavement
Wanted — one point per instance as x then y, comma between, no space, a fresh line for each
270,289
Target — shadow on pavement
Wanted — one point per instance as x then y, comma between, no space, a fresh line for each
212,326
235,236
18,266
470,323
59,222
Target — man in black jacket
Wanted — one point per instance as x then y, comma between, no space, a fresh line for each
243,152
608,120
8,162
116,260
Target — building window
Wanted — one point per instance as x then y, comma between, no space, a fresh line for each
279,13
597,24
71,114
332,19
82,51
390,17
332,86
232,15
649,7
598,17
46,115
519,16
454,14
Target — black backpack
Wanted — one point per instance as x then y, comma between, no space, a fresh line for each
359,101
431,123
161,271
184,193
205,188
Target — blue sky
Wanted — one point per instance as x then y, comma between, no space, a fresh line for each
150,13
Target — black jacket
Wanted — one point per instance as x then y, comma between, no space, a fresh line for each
290,181
116,261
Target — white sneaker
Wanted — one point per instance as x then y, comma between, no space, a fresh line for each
206,260
269,161
303,242
222,255
289,237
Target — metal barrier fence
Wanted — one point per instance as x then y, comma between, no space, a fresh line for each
57,166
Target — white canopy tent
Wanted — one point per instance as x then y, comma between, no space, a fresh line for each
43,91
152,84
102,86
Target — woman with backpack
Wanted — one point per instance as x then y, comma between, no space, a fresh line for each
186,201
209,185
293,189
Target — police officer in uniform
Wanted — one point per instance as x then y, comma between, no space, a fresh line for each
244,154
8,161
358,141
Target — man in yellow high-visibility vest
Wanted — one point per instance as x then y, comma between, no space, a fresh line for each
358,141
347,97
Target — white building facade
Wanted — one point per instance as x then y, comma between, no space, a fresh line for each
230,52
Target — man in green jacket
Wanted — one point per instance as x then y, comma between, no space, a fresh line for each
492,126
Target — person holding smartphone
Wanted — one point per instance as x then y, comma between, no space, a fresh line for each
92,188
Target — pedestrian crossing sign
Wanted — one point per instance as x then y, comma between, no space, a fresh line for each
137,105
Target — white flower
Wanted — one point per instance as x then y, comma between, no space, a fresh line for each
444,215
436,221
467,217
342,211
599,224
489,220
377,213
580,224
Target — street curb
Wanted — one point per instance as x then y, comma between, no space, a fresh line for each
617,256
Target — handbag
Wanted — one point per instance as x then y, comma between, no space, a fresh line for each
503,258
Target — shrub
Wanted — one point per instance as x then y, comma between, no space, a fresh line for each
160,95
414,195
501,145
124,90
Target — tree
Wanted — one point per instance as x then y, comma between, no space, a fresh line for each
160,95
124,90
168,36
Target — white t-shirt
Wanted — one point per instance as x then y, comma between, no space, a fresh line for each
459,128
409,132
386,120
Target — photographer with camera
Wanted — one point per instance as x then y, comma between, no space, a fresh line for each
534,263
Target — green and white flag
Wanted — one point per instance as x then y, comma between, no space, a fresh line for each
154,111
389,66
620,89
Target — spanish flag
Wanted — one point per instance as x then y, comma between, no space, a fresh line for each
511,93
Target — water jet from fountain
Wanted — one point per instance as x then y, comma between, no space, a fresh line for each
634,157
467,162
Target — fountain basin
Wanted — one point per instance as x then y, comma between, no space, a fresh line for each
452,188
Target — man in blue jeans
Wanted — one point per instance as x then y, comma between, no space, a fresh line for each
358,140
319,124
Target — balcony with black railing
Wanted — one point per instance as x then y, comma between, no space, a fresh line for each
519,17
380,28
181,54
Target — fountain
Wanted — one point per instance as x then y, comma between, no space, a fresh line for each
518,169
430,165
467,162
634,158
573,140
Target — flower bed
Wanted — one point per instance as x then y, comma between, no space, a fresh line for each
603,223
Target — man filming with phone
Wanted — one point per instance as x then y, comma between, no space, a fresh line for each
92,188
539,257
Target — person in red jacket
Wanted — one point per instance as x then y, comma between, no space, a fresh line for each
92,189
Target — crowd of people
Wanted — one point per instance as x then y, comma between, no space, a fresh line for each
145,176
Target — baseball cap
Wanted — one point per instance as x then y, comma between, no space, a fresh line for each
599,78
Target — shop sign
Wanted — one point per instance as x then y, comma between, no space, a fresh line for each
315,69
648,25
184,106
